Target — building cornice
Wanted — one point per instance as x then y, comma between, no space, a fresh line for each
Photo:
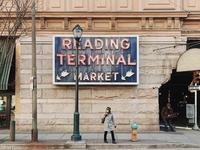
144,22
193,15
112,14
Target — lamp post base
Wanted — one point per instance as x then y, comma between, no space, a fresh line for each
195,127
34,135
76,134
76,137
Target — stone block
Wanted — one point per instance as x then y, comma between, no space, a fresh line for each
155,78
23,127
27,108
85,93
91,115
64,116
27,93
150,63
22,122
46,116
113,93
60,101
54,121
47,49
47,78
56,128
126,92
25,78
19,115
92,128
119,107
57,108
27,64
85,108
47,64
90,121
146,108
147,93
7,147
152,128
122,121
26,49
152,70
57,93
62,121
144,121
144,100
99,92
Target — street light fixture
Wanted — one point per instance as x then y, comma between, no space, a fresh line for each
77,31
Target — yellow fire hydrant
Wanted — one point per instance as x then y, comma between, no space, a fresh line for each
134,135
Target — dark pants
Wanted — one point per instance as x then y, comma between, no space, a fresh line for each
112,135
168,125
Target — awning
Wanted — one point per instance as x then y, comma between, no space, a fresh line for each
189,61
7,47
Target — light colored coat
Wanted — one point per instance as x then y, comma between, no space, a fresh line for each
109,123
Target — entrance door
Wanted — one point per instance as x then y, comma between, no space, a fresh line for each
176,92
7,95
5,110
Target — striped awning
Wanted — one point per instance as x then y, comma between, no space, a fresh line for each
7,47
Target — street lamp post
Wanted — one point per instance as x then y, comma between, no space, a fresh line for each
195,127
195,88
77,31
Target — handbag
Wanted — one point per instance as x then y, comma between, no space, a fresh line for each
103,120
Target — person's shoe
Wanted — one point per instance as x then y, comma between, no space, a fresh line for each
173,130
166,129
106,141
114,142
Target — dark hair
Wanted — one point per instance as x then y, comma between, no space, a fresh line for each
108,108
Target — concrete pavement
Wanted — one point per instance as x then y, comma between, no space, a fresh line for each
94,141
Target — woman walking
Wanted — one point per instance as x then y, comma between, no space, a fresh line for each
109,125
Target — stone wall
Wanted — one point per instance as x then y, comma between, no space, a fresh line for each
158,56
119,6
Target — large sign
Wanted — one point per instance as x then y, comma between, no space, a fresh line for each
105,60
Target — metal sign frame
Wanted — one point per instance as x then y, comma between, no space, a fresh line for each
98,83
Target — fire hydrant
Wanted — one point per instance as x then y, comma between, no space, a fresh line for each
134,127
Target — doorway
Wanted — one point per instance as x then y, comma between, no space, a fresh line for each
6,97
176,92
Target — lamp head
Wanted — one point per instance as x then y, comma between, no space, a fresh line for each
77,31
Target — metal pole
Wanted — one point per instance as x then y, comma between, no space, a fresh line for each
195,127
76,134
12,130
34,131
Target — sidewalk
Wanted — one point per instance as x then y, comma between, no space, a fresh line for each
179,139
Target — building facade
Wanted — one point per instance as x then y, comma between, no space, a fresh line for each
163,28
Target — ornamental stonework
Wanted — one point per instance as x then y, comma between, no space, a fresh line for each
119,6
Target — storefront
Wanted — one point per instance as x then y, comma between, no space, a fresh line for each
125,57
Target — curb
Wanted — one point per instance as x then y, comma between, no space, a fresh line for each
141,145
93,146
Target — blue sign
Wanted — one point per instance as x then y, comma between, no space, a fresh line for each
109,60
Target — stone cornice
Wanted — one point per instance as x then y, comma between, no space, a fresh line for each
144,22
193,15
112,14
